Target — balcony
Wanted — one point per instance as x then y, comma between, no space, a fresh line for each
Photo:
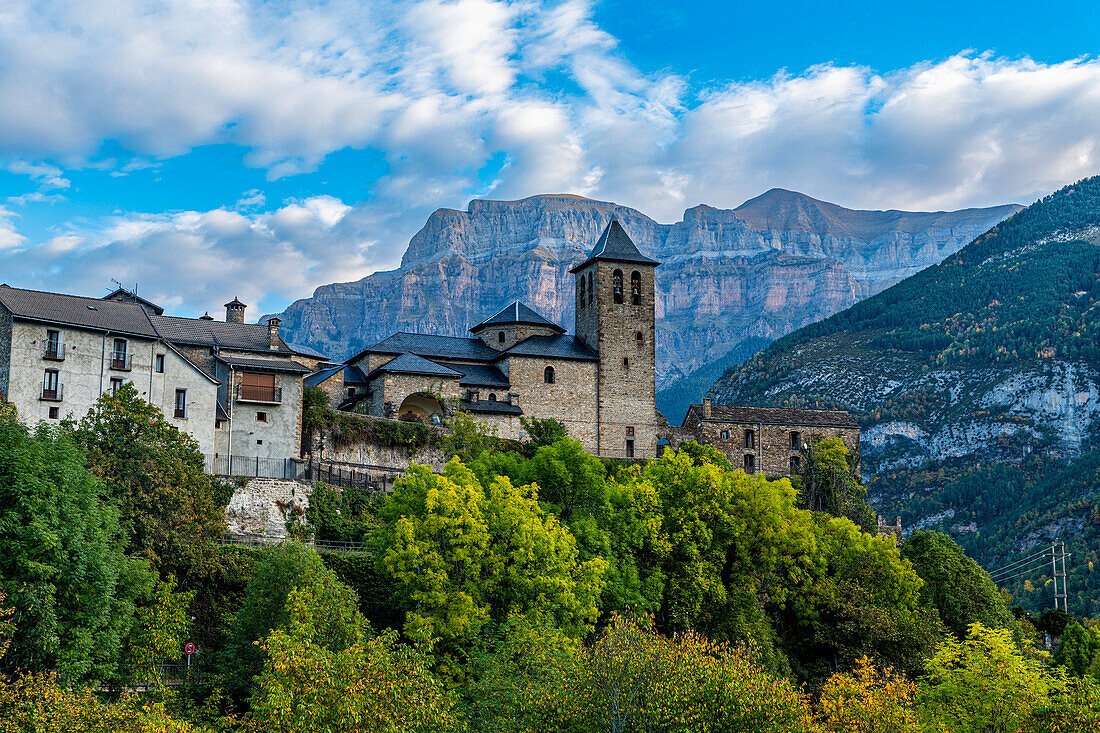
54,352
255,393
120,362
52,394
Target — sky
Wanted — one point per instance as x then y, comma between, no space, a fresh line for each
200,150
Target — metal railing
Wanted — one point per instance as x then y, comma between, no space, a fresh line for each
259,393
372,478
53,395
256,540
253,466
54,352
120,362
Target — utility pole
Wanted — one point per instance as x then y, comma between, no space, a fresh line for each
1054,571
1062,575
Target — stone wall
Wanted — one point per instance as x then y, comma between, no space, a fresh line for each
771,447
571,399
254,508
334,388
513,334
5,350
396,388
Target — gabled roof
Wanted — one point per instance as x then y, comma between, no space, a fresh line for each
354,375
123,318
481,376
303,350
516,312
271,365
312,380
562,346
413,364
793,416
196,331
123,295
430,345
617,246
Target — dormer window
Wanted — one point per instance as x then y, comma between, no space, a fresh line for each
617,285
500,337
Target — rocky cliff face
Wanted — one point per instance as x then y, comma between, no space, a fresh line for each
759,271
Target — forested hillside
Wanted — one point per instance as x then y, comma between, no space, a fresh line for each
989,358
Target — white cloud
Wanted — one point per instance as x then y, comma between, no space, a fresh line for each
444,88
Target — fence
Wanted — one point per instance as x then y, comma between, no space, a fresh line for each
256,540
253,466
373,478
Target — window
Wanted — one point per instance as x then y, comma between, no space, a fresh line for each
796,440
580,291
750,463
120,359
261,417
796,465
630,431
181,403
617,285
750,439
116,384
160,364
639,337
548,375
591,300
53,346
351,391
626,363
257,387
724,434
629,448
54,412
500,337
259,442
636,288
51,385
492,396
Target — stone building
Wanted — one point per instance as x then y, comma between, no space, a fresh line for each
766,439
598,382
233,386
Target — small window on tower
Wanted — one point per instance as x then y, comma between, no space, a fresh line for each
626,363
636,288
492,396
580,292
591,300
500,337
548,375
639,337
617,285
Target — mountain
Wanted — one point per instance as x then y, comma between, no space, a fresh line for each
976,381
730,279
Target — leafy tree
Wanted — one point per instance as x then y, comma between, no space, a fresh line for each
830,483
956,586
74,592
463,556
982,683
340,514
160,631
868,700
279,571
542,431
1079,650
468,437
157,475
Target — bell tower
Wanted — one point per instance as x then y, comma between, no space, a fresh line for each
616,317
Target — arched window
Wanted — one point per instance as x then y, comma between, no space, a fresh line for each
580,291
636,288
492,396
626,363
500,337
548,375
590,298
639,337
617,285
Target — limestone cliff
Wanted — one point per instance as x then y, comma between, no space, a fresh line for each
757,272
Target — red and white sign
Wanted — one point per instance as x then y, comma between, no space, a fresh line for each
189,648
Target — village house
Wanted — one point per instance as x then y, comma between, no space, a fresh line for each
235,387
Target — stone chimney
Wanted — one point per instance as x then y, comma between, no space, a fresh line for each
234,311
273,333
206,317
706,408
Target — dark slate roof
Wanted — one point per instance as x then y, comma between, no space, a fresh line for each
354,375
496,407
273,365
616,245
430,345
123,295
304,350
413,364
222,415
316,378
516,312
562,346
235,303
75,310
793,416
481,376
244,336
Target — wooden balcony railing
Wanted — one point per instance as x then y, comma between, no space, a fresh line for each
52,395
120,362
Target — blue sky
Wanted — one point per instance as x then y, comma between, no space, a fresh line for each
203,150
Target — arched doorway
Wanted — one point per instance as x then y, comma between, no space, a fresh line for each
419,408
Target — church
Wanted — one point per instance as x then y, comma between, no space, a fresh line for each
598,382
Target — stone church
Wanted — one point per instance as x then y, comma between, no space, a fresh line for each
598,382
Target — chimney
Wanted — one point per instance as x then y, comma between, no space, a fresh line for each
206,317
273,333
706,408
234,311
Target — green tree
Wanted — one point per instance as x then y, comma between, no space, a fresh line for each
157,476
830,483
956,586
1079,650
468,437
62,564
462,556
541,432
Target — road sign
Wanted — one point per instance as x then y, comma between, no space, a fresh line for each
189,649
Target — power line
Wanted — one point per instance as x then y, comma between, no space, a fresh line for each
1042,553
1037,562
1028,571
